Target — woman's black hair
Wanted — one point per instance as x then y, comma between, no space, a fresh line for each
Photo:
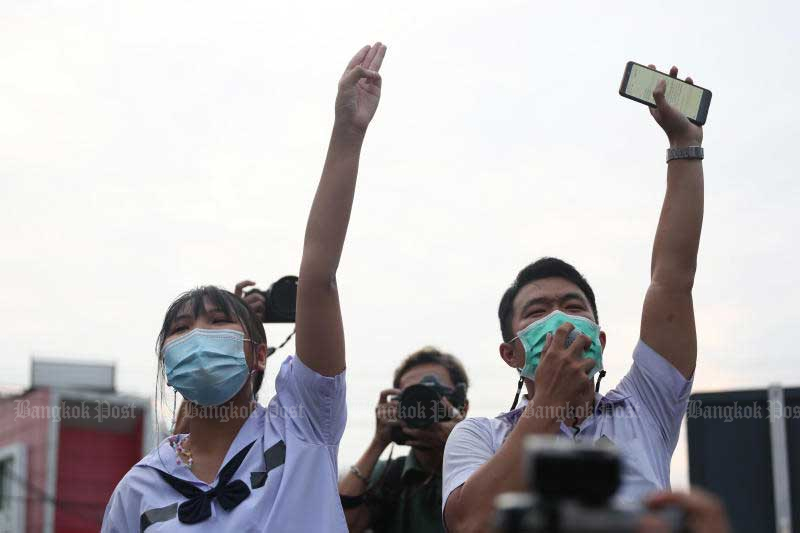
235,310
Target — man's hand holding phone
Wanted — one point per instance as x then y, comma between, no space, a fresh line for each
680,131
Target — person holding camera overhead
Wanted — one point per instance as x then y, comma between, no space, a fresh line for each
404,494
551,334
243,467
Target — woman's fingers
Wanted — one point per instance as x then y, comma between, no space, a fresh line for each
358,58
377,59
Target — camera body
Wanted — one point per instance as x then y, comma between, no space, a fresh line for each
571,491
280,300
420,405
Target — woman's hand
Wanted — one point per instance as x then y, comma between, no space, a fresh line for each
360,88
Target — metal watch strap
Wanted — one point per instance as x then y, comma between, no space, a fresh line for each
688,152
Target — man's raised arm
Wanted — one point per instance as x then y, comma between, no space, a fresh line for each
320,337
668,316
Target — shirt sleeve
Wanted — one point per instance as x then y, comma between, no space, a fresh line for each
468,447
315,405
660,389
115,517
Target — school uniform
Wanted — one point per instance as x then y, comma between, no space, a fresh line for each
279,475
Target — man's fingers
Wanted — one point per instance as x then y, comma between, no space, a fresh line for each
422,436
658,95
377,60
359,72
548,342
588,364
689,80
358,58
255,298
560,336
698,501
241,285
452,410
673,71
652,524
579,345
386,393
386,412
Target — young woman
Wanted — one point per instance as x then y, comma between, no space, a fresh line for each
241,467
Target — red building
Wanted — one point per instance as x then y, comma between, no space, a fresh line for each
64,445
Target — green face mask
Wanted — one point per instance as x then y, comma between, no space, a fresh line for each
534,337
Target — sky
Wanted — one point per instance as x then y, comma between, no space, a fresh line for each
150,147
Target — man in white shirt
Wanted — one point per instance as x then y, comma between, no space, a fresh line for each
642,415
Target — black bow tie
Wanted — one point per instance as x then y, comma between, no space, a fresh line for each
229,494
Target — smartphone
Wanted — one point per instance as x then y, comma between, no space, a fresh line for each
639,81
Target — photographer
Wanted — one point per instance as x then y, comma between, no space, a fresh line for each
551,333
404,494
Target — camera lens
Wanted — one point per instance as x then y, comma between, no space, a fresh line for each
420,406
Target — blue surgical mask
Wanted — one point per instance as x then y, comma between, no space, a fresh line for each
534,336
207,366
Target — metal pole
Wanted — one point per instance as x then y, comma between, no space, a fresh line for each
780,460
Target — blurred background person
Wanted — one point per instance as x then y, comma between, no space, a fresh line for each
404,494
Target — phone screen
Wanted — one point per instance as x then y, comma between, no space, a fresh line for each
679,94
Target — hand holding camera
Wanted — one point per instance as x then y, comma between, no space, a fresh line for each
427,412
255,299
435,435
276,304
385,418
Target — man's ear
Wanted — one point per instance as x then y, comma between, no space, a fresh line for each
511,356
603,340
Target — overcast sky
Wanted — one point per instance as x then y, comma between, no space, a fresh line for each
149,147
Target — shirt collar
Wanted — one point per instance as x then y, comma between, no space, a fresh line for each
163,456
602,403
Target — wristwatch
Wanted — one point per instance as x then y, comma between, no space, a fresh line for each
689,152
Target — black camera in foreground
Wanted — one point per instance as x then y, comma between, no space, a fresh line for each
571,490
280,300
420,405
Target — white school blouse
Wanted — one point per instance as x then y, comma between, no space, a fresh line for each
290,470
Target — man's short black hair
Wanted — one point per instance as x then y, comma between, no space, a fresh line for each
546,267
430,355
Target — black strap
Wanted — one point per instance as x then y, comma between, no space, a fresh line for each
383,498
198,505
350,502
516,397
599,379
